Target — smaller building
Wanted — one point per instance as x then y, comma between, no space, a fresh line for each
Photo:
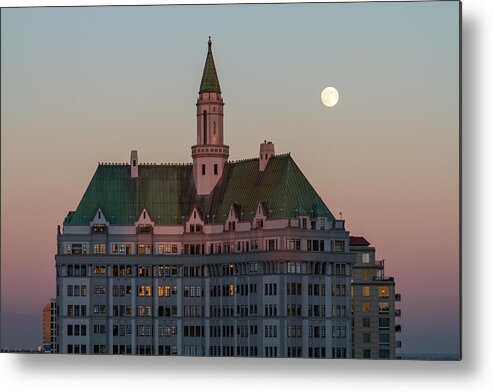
374,301
49,327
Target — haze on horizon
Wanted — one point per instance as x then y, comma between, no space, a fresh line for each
87,85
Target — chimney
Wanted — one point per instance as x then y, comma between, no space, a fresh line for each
134,164
266,153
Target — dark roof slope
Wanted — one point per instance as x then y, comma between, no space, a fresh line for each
168,193
358,241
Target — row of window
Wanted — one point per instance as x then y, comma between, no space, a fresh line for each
239,246
383,338
383,291
382,353
196,271
383,307
270,310
244,331
225,351
215,291
76,290
76,330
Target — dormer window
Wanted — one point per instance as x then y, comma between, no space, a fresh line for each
144,229
195,228
260,223
231,226
304,223
99,228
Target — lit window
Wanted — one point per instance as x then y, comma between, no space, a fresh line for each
365,306
383,292
365,291
383,307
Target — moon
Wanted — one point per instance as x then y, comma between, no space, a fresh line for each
330,96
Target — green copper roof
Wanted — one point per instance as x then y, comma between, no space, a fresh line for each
167,192
210,81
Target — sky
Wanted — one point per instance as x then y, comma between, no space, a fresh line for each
88,85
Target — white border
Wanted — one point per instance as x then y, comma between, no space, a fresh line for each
58,372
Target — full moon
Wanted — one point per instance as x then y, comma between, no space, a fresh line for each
330,96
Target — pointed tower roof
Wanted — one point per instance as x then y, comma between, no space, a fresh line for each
210,81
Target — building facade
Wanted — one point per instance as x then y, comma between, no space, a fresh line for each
50,327
213,258
374,310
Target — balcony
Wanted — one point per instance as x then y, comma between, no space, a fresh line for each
397,296
397,328
380,263
397,313
384,279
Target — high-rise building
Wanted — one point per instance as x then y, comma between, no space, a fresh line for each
374,309
213,258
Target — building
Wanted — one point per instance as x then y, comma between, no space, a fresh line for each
213,258
49,327
374,309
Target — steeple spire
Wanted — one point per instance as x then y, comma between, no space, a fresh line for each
210,81
210,154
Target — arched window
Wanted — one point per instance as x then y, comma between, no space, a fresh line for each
205,127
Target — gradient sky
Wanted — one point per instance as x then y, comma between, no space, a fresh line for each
87,85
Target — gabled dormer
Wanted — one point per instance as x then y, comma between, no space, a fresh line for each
195,223
144,224
261,214
99,223
233,218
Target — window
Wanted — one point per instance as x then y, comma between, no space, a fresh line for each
383,323
293,244
383,292
203,169
366,322
215,169
365,306
294,267
338,269
337,246
338,290
383,307
366,338
365,258
205,127
339,332
145,291
144,249
366,353
365,291
384,339
99,249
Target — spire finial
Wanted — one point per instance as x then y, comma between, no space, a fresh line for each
210,43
